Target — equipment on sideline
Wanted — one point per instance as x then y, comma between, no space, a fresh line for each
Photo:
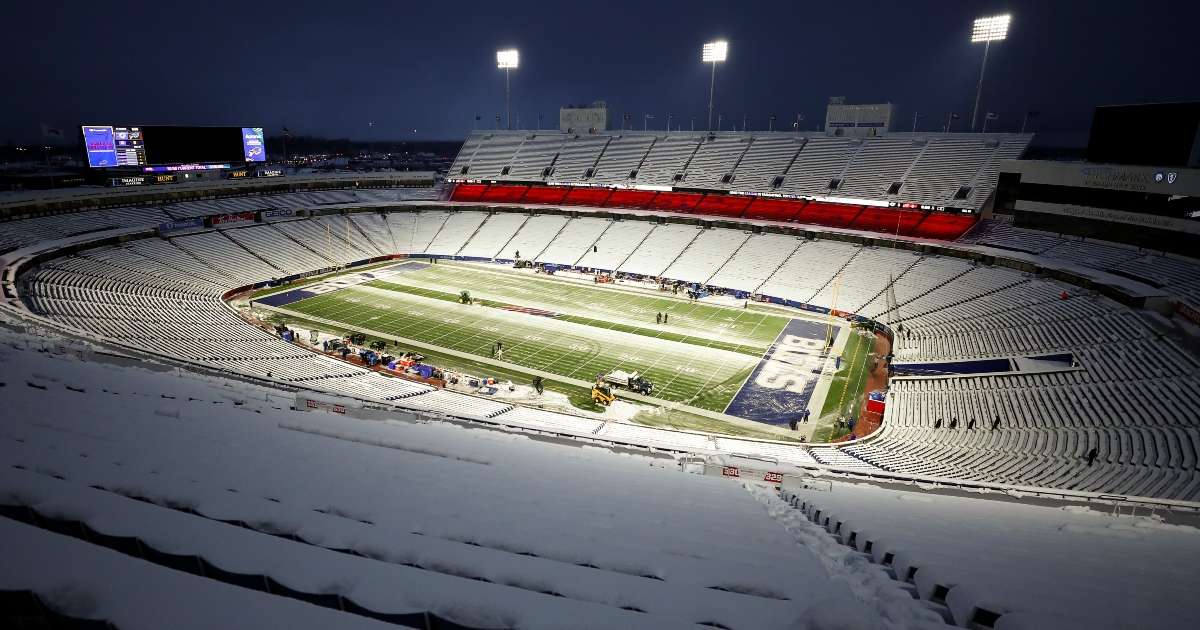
630,381
602,394
464,297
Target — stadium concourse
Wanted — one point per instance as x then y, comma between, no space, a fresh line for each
1030,378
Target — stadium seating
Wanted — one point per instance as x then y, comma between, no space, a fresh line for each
705,255
629,199
675,202
828,214
489,241
616,244
723,206
621,157
661,247
773,209
714,161
895,222
944,227
1130,394
504,194
594,197
545,195
533,237
468,192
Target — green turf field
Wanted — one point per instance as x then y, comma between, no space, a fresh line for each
846,392
595,338
749,331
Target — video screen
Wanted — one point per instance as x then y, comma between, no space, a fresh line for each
171,148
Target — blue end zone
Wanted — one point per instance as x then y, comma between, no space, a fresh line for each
782,384
335,283
285,298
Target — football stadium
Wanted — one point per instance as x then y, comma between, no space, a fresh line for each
596,377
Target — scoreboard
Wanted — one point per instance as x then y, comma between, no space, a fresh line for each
171,148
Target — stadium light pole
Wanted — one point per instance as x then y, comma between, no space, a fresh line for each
507,59
916,115
713,52
987,30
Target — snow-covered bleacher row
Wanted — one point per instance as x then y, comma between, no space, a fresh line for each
1002,564
154,500
45,228
1177,275
163,295
932,169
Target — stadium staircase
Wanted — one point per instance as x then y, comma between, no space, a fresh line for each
514,234
684,250
631,252
834,276
965,299
593,243
776,269
468,240
900,275
291,238
247,250
365,235
731,257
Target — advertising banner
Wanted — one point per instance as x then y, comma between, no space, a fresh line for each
278,213
230,219
175,226
1186,311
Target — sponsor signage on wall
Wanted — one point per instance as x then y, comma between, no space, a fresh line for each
1186,311
175,226
241,217
279,213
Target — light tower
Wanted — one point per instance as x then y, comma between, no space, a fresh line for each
507,59
987,30
713,52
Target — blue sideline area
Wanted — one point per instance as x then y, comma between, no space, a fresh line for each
1033,364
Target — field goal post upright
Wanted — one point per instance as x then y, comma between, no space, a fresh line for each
329,240
831,320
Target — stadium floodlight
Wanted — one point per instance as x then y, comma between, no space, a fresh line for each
507,59
990,29
712,53
987,30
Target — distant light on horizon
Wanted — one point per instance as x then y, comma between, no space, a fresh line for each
991,29
506,58
715,51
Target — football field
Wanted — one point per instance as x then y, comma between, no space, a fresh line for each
700,357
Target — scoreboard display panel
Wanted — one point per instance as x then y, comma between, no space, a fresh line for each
169,148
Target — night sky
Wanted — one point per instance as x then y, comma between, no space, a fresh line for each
330,68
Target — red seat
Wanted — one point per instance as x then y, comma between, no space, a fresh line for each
547,195
828,214
630,199
676,202
946,227
888,221
587,197
723,205
504,194
773,209
468,192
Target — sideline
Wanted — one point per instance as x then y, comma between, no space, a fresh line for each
734,420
